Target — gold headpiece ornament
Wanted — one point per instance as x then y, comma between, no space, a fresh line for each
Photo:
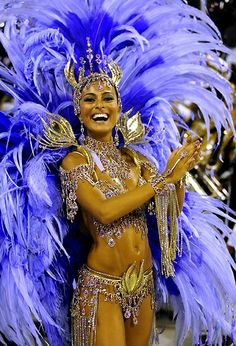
57,133
110,75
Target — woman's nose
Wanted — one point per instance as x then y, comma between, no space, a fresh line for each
99,104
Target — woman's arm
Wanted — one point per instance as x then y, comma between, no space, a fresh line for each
95,203
180,188
180,191
108,210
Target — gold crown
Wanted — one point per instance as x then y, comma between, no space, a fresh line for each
110,74
114,80
115,71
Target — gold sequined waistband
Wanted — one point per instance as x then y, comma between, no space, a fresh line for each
132,278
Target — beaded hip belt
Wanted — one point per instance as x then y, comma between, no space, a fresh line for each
129,290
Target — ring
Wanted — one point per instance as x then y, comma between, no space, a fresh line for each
186,134
183,154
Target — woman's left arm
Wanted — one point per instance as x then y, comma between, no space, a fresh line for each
180,191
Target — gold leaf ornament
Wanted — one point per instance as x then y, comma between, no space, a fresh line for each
132,279
131,128
69,72
116,72
57,133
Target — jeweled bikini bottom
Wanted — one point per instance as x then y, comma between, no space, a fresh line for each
129,291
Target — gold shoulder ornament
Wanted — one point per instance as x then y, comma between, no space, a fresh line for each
131,128
57,133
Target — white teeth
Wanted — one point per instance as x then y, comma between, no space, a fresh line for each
100,117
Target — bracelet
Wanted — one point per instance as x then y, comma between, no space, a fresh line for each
155,181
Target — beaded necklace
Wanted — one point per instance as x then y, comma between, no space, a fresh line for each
111,159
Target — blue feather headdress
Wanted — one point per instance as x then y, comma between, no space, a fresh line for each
164,49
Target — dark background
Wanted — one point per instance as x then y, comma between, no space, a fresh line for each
223,13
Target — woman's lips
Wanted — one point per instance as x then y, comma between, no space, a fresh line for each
100,117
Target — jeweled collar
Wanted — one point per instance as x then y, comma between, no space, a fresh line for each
111,158
99,146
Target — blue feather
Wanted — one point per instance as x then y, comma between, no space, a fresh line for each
163,48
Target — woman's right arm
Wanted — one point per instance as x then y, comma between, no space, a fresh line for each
95,203
108,210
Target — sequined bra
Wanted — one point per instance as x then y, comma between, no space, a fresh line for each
69,183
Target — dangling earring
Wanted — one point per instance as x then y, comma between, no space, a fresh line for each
82,136
119,102
116,138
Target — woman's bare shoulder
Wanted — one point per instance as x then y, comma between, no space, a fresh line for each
73,159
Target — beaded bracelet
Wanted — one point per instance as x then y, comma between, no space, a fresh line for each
158,183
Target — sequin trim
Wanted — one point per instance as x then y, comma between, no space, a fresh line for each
69,182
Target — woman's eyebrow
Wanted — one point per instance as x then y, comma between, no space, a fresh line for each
104,93
107,92
90,94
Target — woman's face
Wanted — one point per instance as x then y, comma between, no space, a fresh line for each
99,110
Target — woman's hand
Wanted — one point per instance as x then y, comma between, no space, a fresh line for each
182,160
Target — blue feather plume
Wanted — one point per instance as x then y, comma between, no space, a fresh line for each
164,48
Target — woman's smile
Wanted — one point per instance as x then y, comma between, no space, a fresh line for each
100,117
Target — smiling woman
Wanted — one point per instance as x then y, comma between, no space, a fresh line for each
111,186
122,201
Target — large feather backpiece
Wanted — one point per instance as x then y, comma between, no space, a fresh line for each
163,48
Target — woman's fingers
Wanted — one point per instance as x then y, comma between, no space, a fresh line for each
195,142
186,156
187,138
189,161
193,161
190,146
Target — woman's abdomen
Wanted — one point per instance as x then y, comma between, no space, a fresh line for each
131,247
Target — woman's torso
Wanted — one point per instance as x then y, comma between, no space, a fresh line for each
132,244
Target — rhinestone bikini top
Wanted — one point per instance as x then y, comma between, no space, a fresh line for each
69,183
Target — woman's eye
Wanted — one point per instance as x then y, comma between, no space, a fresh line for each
88,99
108,98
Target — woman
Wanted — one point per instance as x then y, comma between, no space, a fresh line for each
110,203
164,49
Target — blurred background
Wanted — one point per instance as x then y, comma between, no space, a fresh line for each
217,169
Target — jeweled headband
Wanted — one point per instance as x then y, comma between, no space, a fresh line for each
110,75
